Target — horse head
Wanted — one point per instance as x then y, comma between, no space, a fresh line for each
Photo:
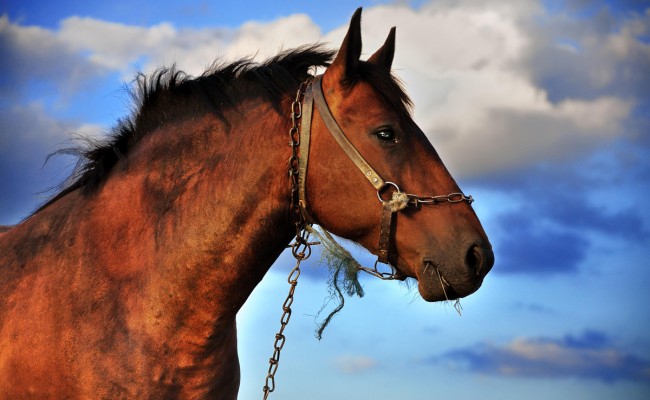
395,196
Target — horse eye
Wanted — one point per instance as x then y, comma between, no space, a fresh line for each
386,135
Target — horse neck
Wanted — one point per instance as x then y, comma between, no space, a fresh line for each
198,213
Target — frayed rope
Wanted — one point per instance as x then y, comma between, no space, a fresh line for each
344,271
398,201
343,268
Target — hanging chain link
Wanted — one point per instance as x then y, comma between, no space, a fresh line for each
300,248
280,338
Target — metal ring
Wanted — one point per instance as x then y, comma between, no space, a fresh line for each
386,184
385,275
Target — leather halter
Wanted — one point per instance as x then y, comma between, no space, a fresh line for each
399,200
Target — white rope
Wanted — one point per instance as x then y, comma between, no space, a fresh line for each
398,201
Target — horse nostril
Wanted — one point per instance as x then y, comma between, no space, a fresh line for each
480,259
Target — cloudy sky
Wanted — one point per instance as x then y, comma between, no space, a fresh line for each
540,109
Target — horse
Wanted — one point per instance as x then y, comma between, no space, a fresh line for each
127,282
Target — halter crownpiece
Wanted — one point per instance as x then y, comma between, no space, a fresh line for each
313,94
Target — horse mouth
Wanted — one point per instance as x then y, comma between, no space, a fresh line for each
435,284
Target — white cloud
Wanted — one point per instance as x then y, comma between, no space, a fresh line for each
27,132
599,117
267,39
606,54
31,53
478,70
354,364
590,355
90,130
118,47
93,46
113,45
465,65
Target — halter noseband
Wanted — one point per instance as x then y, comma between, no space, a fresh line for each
398,201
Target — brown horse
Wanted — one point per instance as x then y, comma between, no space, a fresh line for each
127,283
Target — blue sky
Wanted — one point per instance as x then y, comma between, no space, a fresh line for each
539,109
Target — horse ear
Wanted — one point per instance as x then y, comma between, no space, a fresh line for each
384,56
348,56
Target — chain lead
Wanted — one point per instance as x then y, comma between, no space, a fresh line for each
300,248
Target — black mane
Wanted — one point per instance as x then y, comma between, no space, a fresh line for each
170,95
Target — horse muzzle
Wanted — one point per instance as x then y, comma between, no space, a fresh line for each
440,279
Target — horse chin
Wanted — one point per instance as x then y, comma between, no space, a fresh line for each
440,286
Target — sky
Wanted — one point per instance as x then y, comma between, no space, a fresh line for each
541,111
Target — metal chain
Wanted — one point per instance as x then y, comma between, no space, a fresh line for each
450,198
294,174
280,339
300,248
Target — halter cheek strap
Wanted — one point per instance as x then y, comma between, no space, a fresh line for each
375,180
314,94
305,128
